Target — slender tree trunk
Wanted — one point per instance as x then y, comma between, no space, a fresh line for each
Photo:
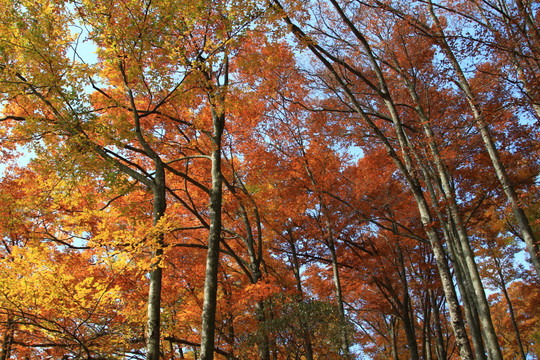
157,185
156,273
339,299
426,328
441,348
468,301
463,252
393,339
404,167
296,270
329,241
500,170
450,233
214,237
510,309
408,322
256,275
451,297
263,344
462,278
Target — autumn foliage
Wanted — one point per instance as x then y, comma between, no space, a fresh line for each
269,179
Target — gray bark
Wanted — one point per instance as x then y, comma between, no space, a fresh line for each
156,272
393,339
254,249
441,348
212,258
408,322
500,170
157,185
403,166
339,299
469,281
510,308
296,270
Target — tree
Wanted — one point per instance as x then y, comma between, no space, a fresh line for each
270,180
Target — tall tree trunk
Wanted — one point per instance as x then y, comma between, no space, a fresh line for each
329,241
408,322
510,308
255,258
339,299
263,343
393,338
468,278
404,166
451,296
462,278
441,348
467,296
462,275
296,270
156,273
500,170
157,185
214,237
426,328
463,254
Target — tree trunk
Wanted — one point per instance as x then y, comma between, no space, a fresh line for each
263,344
296,270
500,170
468,302
393,339
426,328
408,322
404,167
339,299
458,326
255,258
214,237
468,279
464,254
510,309
441,348
462,277
156,273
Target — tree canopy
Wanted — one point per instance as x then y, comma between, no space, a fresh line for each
193,179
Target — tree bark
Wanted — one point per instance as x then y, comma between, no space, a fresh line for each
500,170
441,348
403,166
214,238
393,339
339,299
510,309
469,281
157,185
408,322
296,270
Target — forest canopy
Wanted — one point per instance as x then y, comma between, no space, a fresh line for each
278,179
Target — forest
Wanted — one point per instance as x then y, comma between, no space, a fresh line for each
269,179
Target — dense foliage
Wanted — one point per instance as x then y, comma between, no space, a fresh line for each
193,179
